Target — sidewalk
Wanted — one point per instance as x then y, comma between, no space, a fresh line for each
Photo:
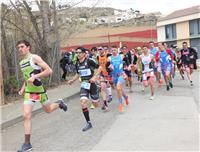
12,113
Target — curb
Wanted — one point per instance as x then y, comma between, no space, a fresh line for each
18,119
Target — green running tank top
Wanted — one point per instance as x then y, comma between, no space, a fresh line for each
28,69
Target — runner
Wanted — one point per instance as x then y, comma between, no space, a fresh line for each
86,71
33,69
127,69
94,54
153,51
147,60
139,65
166,65
118,76
188,58
110,85
172,54
179,63
104,78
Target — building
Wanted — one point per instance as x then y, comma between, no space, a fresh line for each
179,26
131,36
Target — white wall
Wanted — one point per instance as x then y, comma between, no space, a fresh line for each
179,19
161,33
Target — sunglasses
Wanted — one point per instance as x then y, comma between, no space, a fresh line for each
79,52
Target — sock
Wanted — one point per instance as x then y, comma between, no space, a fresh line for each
109,91
27,138
86,114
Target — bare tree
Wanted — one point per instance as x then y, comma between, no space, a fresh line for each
42,28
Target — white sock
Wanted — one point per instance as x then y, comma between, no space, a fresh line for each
109,90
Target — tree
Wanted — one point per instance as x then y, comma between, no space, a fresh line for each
41,28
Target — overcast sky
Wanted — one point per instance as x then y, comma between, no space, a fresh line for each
164,6
145,6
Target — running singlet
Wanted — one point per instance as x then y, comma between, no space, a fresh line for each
117,63
28,69
147,65
153,51
95,59
127,59
165,59
102,62
86,69
185,56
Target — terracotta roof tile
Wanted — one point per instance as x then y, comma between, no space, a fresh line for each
182,12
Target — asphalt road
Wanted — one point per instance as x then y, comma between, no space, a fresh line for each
169,122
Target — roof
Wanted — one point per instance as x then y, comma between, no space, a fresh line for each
182,12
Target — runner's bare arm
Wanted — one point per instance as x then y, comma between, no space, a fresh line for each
21,91
73,79
96,74
46,69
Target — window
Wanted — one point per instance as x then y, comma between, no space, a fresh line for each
199,27
170,31
195,43
194,27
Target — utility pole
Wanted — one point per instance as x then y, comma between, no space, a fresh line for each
109,39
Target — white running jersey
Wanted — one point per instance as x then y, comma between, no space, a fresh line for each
146,63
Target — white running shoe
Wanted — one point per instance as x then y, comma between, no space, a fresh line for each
151,98
143,89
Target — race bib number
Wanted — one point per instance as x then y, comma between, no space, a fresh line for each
34,97
146,66
85,85
85,72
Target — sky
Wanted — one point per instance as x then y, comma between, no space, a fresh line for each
144,6
147,6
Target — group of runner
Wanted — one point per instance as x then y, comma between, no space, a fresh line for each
111,67
106,68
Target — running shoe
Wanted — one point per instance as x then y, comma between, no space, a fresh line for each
121,108
191,83
104,107
62,105
25,147
92,106
151,98
167,88
143,89
87,126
